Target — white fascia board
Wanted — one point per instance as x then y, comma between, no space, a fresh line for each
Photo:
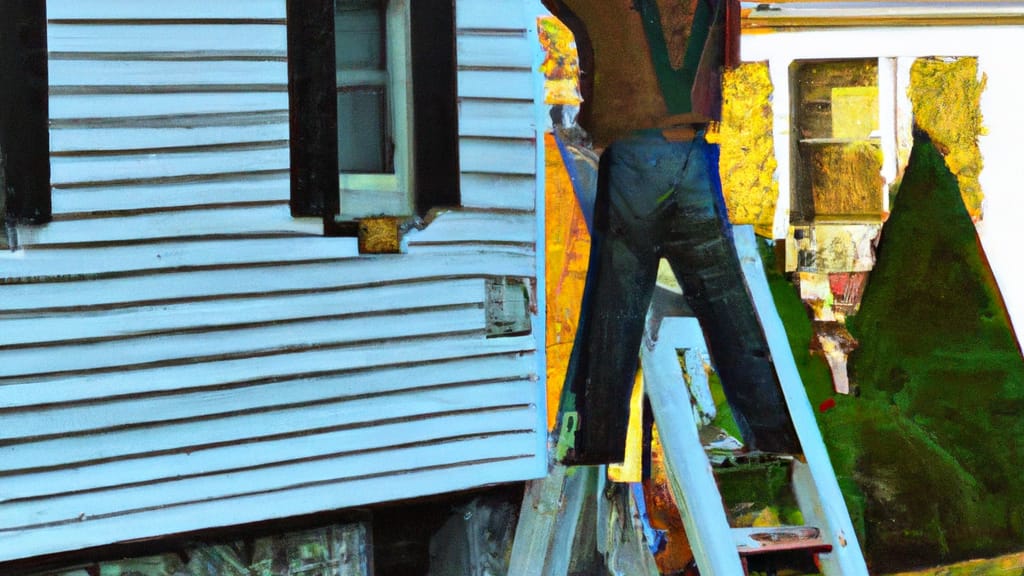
764,14
881,41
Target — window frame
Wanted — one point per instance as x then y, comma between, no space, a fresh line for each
432,175
802,209
388,194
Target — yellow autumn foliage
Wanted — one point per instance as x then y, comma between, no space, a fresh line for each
560,67
567,253
747,163
946,96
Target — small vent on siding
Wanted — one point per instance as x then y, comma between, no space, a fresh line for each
507,308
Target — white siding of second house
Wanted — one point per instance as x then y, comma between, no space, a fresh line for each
1002,115
178,353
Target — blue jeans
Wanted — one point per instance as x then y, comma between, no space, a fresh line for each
660,199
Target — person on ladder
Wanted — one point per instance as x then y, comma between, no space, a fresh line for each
659,196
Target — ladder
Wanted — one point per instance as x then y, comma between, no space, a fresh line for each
718,549
550,512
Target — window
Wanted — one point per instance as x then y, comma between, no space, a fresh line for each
373,107
374,98
843,127
837,143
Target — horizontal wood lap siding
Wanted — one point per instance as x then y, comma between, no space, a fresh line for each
147,455
497,127
162,110
139,109
152,389
254,480
514,228
215,458
489,463
180,354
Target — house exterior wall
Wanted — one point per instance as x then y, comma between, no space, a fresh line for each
179,353
995,46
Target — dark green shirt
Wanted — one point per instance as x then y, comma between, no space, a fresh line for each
677,85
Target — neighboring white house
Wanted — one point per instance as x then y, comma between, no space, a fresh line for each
890,36
178,352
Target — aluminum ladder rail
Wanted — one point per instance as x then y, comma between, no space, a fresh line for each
693,483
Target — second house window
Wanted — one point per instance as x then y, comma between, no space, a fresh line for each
837,144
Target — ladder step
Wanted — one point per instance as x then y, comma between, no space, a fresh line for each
765,540
740,458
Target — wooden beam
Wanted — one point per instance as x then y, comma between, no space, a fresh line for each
537,519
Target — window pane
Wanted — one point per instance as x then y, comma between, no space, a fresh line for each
826,89
843,179
362,139
359,34
837,159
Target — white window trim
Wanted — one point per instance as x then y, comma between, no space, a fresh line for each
364,195
893,110
889,124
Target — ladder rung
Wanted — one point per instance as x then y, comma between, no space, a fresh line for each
765,540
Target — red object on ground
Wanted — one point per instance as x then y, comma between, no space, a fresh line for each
827,405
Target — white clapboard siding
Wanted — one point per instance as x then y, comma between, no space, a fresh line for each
63,264
100,169
510,191
242,372
179,353
232,342
228,314
236,189
489,15
448,474
517,228
496,84
66,109
374,436
490,50
498,155
500,118
81,419
160,9
324,469
185,436
268,39
146,73
417,405
239,219
474,246
159,107
217,282
208,132
211,459
497,125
